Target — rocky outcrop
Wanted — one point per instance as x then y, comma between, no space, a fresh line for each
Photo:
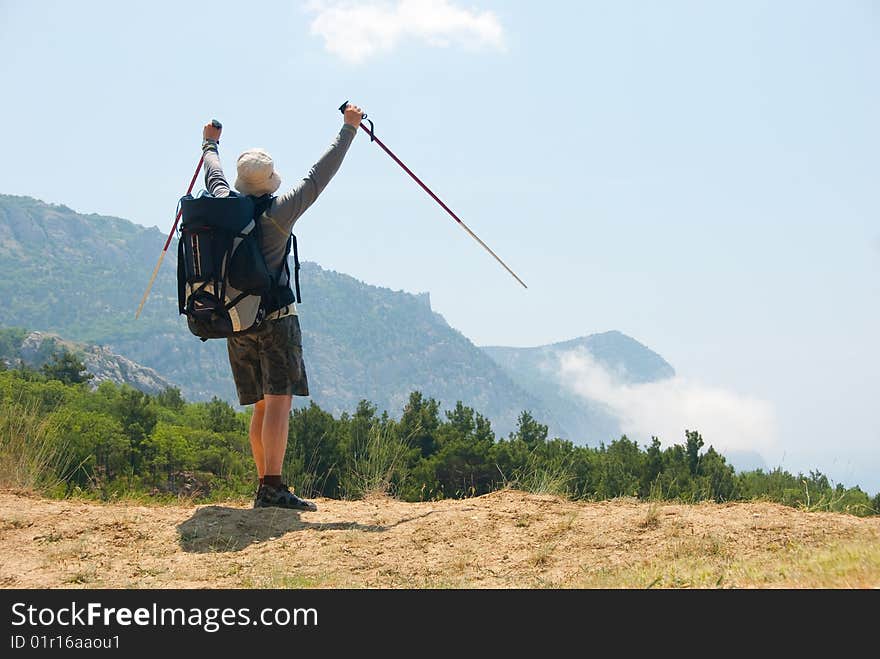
38,347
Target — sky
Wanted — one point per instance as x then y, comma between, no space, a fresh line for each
702,176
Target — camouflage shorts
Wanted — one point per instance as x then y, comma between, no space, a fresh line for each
268,361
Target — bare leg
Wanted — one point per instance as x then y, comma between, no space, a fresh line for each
275,422
256,437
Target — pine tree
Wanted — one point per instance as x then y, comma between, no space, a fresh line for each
66,367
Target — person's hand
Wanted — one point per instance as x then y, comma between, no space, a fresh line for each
210,132
353,115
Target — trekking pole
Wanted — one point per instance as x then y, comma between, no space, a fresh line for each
216,124
371,132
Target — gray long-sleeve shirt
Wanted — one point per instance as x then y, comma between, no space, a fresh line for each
278,220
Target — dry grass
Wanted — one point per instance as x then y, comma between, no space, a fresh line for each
501,540
30,456
376,460
843,564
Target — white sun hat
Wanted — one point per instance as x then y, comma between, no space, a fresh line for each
256,173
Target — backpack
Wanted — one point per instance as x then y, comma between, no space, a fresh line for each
224,286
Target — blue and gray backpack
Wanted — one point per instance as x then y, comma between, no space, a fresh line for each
224,286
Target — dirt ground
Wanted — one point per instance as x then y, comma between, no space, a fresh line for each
501,540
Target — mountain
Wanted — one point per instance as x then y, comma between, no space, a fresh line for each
537,370
82,277
35,348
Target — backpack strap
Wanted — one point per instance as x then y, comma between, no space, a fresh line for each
261,205
295,266
285,267
181,277
281,295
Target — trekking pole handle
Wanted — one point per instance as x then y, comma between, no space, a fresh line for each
345,105
216,124
370,130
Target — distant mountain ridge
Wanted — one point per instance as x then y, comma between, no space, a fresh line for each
82,276
537,370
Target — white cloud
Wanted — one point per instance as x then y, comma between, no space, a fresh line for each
355,31
726,420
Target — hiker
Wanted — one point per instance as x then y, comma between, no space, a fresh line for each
267,364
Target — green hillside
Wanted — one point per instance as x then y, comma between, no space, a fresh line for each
82,277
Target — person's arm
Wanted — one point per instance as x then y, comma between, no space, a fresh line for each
289,206
215,181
